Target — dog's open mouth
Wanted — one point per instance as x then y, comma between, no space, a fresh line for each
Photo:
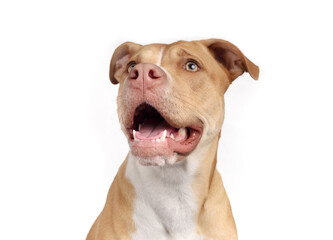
151,135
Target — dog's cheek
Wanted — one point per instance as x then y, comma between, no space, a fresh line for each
213,116
122,103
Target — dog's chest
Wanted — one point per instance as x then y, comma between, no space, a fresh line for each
164,206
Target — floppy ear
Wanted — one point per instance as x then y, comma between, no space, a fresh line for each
231,58
119,58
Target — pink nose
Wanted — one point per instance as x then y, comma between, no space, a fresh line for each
146,75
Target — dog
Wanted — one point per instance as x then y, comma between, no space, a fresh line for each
171,109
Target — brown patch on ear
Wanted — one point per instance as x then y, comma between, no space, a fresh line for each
231,58
119,58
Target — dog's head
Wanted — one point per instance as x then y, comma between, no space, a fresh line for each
170,98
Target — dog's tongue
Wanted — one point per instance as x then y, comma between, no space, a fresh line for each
153,128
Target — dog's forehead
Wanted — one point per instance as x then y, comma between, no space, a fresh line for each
153,53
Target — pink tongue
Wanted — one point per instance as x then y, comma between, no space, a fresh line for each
152,128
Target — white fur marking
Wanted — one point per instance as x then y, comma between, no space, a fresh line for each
165,205
160,56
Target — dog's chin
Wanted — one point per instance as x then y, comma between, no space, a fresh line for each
158,161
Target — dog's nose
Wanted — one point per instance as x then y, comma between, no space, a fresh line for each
146,75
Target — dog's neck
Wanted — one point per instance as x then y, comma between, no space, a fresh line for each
171,197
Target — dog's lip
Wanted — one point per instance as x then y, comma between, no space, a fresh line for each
194,129
168,147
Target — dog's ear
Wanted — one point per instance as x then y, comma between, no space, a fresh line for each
231,58
119,58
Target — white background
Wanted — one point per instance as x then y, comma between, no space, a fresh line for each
61,144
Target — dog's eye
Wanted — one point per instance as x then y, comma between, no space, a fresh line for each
191,66
130,66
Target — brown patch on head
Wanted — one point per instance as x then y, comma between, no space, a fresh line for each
195,95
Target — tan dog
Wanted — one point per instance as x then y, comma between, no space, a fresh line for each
171,109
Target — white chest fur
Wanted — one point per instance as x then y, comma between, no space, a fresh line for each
165,206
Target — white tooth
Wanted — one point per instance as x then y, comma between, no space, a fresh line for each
135,139
171,136
153,140
182,132
158,140
139,127
163,135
